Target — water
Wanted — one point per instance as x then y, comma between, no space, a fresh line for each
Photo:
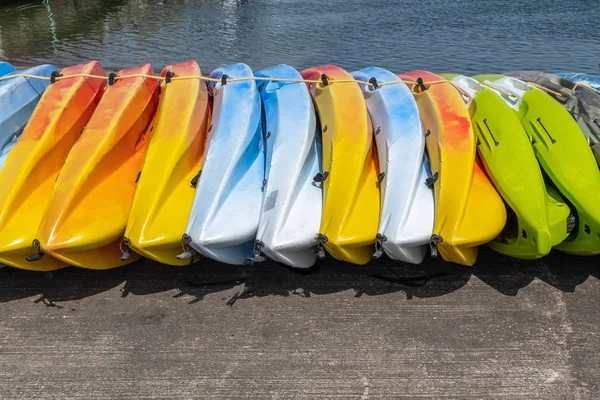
467,36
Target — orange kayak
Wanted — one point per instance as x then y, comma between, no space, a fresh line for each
89,207
164,195
468,210
351,199
27,179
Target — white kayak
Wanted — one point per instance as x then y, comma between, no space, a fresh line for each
291,213
226,209
407,203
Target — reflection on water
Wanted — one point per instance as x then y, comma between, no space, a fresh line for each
462,35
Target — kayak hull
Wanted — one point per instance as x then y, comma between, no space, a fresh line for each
164,194
78,227
34,163
564,154
351,198
536,220
292,207
226,210
469,211
407,204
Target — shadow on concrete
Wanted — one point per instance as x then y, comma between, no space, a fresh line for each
431,279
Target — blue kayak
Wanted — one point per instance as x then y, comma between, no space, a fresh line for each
586,79
18,99
224,219
6,68
290,218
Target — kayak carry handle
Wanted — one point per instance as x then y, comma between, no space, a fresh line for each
54,75
373,81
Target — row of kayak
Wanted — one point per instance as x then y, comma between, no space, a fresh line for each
293,165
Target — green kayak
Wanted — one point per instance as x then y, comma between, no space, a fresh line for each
536,221
583,103
563,152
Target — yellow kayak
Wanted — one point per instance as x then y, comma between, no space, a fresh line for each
469,211
32,166
89,207
165,194
351,200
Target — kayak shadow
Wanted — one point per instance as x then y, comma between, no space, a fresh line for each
66,284
508,275
433,278
383,276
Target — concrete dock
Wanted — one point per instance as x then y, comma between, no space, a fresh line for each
504,329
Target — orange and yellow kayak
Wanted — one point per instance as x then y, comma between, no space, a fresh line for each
469,211
351,202
165,194
27,179
89,207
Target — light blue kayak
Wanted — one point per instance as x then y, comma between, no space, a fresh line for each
224,219
407,204
291,212
586,79
18,99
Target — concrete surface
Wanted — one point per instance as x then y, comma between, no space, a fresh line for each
504,329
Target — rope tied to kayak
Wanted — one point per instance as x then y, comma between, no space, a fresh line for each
171,77
545,89
579,84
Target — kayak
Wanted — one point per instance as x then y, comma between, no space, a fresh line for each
164,195
226,210
407,207
536,221
79,227
586,79
35,161
469,211
448,75
581,102
6,68
291,210
18,98
563,152
351,199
